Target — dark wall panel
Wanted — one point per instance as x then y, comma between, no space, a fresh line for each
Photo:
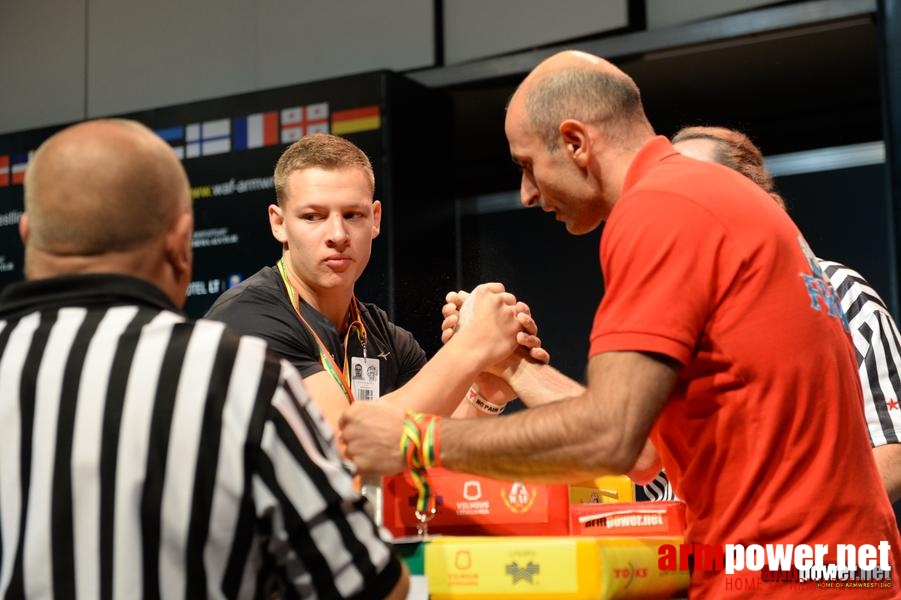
557,274
229,147
845,216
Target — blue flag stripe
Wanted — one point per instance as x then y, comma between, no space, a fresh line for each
172,133
239,135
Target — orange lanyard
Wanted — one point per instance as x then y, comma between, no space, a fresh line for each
325,357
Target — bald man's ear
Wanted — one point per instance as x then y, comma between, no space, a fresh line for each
179,253
24,229
575,141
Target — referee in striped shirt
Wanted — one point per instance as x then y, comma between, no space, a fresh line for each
143,455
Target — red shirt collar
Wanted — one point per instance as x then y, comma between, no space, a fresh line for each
650,154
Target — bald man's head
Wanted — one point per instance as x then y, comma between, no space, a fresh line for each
584,87
108,196
99,187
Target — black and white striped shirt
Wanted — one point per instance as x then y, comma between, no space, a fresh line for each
877,346
142,455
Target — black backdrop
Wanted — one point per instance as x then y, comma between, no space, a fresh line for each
403,128
844,213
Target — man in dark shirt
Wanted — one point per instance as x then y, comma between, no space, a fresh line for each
305,307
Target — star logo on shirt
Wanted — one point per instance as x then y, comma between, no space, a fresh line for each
892,404
383,355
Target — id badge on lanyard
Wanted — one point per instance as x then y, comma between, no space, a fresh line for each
365,379
363,372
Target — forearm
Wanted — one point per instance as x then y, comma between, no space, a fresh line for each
539,384
559,448
487,397
466,410
888,460
536,383
441,384
600,431
647,466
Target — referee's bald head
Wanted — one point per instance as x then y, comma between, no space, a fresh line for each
105,196
101,186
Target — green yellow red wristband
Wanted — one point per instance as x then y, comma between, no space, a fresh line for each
420,444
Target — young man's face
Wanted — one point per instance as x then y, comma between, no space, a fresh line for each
327,222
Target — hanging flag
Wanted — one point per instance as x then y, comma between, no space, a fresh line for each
355,120
299,121
175,136
4,170
207,138
255,131
19,165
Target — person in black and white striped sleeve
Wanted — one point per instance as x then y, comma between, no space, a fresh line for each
877,342
141,454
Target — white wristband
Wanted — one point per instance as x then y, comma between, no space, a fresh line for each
479,401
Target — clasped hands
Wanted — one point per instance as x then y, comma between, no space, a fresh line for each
460,313
490,324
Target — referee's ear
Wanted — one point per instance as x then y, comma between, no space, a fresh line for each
24,229
179,257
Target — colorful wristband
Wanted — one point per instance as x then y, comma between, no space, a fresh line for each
431,442
421,446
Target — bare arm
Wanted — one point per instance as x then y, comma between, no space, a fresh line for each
436,389
536,383
602,430
328,397
554,387
598,432
445,379
877,333
647,466
491,388
888,460
441,384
